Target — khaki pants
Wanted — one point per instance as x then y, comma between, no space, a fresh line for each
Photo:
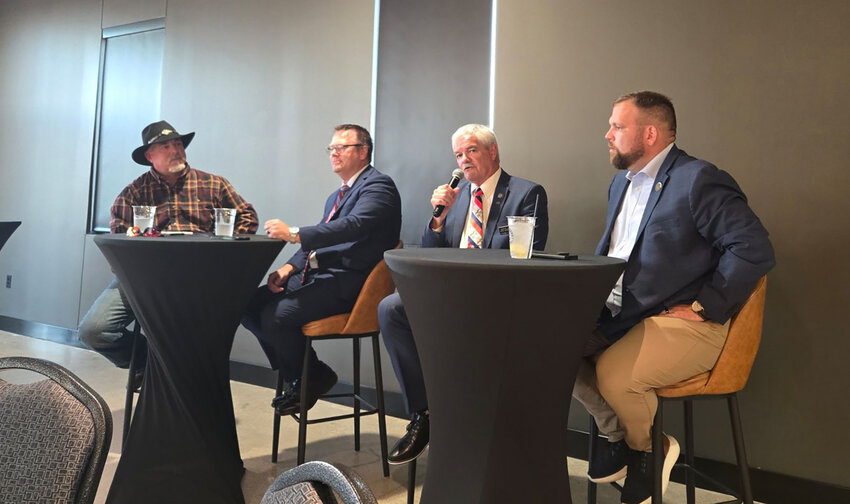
616,382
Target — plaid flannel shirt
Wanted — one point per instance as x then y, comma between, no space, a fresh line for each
185,206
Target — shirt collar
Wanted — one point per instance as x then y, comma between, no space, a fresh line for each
654,164
350,182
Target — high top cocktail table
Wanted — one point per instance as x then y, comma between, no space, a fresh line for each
6,230
188,293
500,340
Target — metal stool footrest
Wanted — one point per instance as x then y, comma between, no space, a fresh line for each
714,482
369,409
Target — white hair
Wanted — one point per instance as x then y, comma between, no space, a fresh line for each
484,134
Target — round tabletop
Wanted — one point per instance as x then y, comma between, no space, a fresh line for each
489,259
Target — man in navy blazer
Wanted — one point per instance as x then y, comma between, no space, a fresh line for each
361,220
694,252
477,154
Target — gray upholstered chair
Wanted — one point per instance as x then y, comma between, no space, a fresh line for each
54,436
316,483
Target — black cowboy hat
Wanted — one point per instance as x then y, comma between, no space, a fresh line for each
158,132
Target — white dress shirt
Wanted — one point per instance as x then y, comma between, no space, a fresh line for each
627,222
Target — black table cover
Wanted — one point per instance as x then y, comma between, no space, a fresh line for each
189,293
6,230
499,340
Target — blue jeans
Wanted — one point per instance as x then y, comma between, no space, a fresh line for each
104,328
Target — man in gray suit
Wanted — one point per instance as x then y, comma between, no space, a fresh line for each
694,252
486,187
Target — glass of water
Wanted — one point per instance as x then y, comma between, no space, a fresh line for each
224,220
521,234
143,216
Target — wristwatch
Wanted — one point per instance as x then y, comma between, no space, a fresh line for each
293,234
696,306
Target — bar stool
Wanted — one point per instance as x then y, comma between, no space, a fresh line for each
724,381
361,322
411,480
131,389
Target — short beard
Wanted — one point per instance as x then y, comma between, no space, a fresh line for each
177,167
623,161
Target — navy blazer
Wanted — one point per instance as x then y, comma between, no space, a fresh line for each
367,223
514,196
698,240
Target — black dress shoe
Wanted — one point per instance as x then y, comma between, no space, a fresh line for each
413,443
289,402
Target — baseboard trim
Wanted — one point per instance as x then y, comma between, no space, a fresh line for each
770,487
38,330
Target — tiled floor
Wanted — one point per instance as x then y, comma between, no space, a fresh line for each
332,441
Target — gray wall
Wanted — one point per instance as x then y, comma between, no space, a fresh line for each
263,84
433,76
122,12
760,90
49,59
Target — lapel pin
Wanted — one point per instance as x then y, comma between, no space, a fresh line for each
658,186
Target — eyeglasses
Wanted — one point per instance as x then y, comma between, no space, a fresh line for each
340,148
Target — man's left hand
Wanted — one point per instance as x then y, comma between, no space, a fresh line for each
277,229
682,312
277,279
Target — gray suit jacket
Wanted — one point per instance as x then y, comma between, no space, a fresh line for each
698,239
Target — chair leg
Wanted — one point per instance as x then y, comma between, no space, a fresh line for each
689,451
592,434
740,451
356,348
411,480
128,398
302,417
379,390
276,424
658,452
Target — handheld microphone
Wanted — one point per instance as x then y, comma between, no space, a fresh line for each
457,176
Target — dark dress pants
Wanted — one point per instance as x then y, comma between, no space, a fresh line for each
398,338
276,319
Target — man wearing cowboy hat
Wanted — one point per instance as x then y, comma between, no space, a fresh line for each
184,198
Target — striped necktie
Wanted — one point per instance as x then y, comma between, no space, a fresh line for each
339,196
342,190
475,238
